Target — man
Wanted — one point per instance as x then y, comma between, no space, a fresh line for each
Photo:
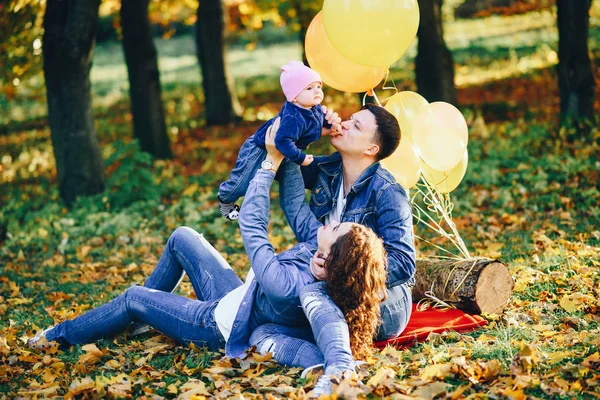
351,186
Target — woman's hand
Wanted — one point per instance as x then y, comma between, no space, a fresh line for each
273,154
317,266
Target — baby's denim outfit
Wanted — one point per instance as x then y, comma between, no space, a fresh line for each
299,127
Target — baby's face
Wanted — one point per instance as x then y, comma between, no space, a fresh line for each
310,96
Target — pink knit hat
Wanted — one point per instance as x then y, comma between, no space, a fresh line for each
295,76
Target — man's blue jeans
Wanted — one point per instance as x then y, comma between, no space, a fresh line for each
178,317
329,342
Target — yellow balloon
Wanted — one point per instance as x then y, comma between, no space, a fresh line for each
405,106
440,133
336,70
371,32
404,164
446,181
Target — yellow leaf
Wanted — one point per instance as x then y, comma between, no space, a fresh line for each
568,305
439,371
81,385
542,328
431,390
381,375
42,233
193,387
262,358
92,348
555,357
190,190
172,389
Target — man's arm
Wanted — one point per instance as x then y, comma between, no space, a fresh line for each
292,199
395,226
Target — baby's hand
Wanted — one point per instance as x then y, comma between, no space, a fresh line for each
331,116
336,129
308,160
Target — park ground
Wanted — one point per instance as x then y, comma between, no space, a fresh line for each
531,198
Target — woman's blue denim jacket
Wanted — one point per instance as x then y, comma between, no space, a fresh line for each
375,200
274,294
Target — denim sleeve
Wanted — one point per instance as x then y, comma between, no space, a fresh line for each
290,129
297,211
279,282
394,220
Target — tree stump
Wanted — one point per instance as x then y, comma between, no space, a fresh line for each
478,285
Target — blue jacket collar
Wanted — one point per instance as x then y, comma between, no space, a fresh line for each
333,167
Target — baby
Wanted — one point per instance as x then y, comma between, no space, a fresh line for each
302,119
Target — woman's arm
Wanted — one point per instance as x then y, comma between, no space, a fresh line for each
278,282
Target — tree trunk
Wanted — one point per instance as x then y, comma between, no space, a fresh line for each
434,68
305,12
222,106
68,45
144,81
480,285
575,77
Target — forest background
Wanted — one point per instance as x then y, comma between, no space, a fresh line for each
76,230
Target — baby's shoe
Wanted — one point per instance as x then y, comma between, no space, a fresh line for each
231,211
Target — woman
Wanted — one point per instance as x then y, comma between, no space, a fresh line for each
227,310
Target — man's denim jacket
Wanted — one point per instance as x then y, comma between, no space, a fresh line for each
274,294
375,200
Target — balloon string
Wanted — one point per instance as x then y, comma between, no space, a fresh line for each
372,91
388,75
376,99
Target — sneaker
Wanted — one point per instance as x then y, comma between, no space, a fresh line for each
323,386
231,211
39,341
139,328
308,370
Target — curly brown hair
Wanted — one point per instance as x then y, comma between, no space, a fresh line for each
356,274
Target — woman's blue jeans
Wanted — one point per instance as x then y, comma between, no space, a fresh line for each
178,317
329,342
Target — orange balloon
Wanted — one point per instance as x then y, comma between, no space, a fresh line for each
336,70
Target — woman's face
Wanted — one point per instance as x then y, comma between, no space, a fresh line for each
328,234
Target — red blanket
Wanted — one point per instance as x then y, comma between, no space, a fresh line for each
422,323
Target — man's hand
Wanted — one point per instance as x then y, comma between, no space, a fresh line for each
272,153
317,266
308,160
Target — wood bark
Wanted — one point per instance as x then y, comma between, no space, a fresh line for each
434,67
68,46
222,106
305,12
144,80
575,78
479,285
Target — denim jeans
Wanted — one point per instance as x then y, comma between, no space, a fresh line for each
248,162
290,346
296,347
178,317
325,341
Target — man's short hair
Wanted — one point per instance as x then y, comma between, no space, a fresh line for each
387,135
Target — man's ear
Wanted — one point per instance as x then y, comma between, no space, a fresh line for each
372,150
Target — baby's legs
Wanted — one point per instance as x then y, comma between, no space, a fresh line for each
248,162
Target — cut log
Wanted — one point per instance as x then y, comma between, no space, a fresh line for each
478,285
